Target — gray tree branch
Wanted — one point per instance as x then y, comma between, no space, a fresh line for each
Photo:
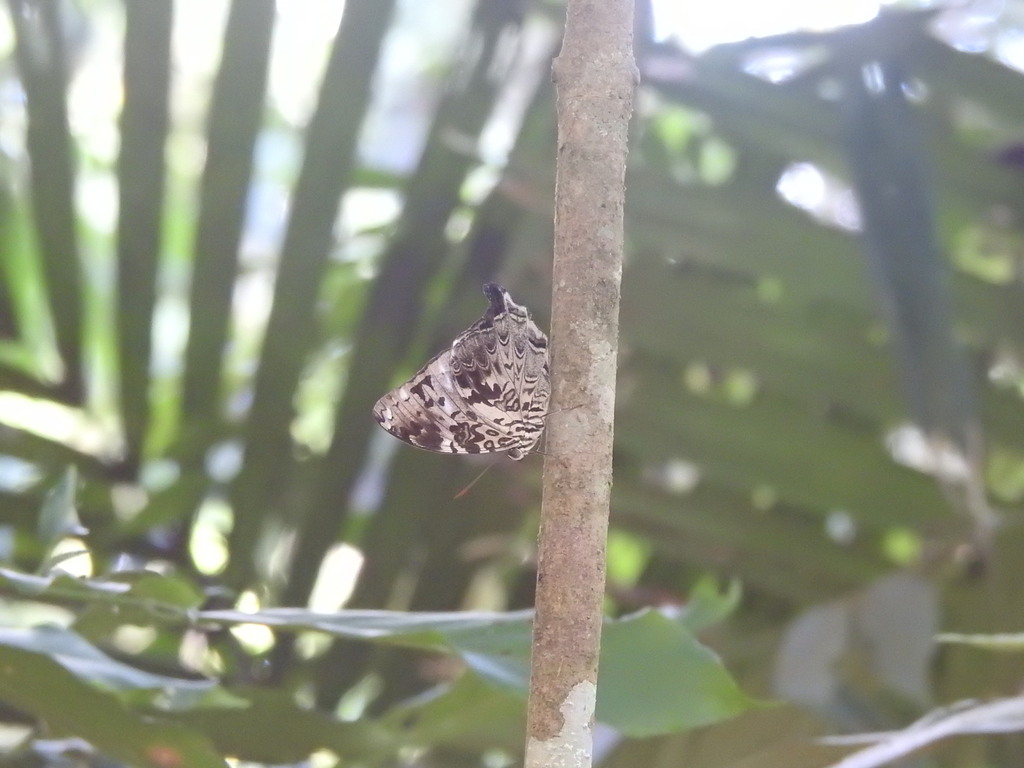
594,76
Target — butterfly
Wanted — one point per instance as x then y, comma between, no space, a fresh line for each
487,393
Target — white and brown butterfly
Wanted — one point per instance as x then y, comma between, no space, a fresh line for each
487,393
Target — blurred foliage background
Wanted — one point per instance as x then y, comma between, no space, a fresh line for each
227,227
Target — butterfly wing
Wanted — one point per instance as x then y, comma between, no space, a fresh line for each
485,394
427,411
522,358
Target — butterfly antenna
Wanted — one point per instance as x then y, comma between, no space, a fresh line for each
550,413
473,482
561,410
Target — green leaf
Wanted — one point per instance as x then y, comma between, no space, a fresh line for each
86,662
58,587
708,606
57,516
153,598
273,728
655,677
428,631
469,714
48,675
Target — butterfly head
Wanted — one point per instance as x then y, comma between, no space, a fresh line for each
502,303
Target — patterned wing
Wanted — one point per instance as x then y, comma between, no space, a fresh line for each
487,393
521,357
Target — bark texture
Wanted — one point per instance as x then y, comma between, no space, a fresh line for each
594,78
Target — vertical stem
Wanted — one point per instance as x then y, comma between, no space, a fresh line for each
594,77
142,172
43,67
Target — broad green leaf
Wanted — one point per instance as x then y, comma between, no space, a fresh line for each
57,587
656,678
88,663
273,728
429,631
469,714
153,598
50,681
